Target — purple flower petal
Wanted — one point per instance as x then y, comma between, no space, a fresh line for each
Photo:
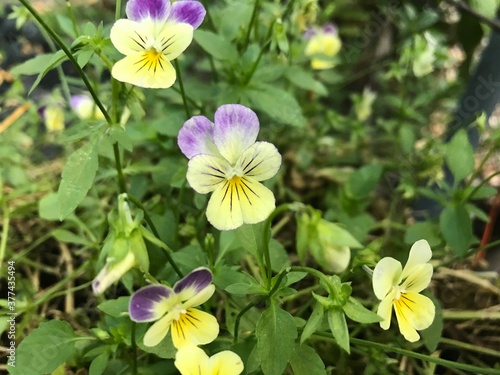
236,128
330,29
78,100
197,280
191,12
143,305
139,9
196,137
309,33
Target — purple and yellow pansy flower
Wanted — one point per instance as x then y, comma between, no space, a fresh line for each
175,307
194,361
226,159
155,33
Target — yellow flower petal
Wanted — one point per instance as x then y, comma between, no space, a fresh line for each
147,69
200,298
385,310
158,330
261,161
192,360
130,37
174,39
237,201
226,363
195,327
320,64
419,279
385,275
413,312
420,253
206,172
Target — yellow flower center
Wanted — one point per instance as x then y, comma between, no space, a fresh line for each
184,320
151,60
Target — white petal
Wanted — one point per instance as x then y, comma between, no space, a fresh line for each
419,279
420,253
206,172
385,276
174,39
385,310
261,161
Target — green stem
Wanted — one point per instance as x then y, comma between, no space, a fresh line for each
479,169
181,86
134,349
387,348
266,237
257,302
314,272
5,229
476,188
119,169
72,17
71,58
250,74
470,347
250,26
118,9
155,232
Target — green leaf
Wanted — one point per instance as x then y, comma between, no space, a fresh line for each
216,45
305,80
45,349
245,288
305,361
432,334
279,256
115,307
250,237
279,104
77,178
456,227
314,322
99,364
48,207
276,333
164,349
363,181
426,230
357,312
84,55
58,58
64,235
459,156
338,326
33,66
66,25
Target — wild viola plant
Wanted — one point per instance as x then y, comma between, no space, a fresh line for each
234,222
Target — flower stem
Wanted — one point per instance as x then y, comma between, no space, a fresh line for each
5,227
250,26
257,302
155,232
181,86
119,170
118,9
134,350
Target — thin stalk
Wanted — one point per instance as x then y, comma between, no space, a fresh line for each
119,169
69,7
71,58
134,350
478,170
470,347
118,9
181,86
250,25
257,302
5,230
250,74
155,232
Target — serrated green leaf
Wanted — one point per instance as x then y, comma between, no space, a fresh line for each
45,349
459,156
77,178
456,227
250,237
313,323
276,333
115,307
338,326
305,80
357,312
279,104
99,364
245,288
216,45
305,361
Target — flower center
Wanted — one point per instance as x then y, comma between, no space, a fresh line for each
178,311
151,60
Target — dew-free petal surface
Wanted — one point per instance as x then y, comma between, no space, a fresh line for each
190,12
385,275
150,303
195,327
261,161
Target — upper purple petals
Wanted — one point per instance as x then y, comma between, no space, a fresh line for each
235,119
142,304
196,137
139,9
309,33
191,12
198,280
330,29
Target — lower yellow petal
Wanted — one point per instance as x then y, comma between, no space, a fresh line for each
149,69
226,363
192,360
195,327
385,310
158,331
413,312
